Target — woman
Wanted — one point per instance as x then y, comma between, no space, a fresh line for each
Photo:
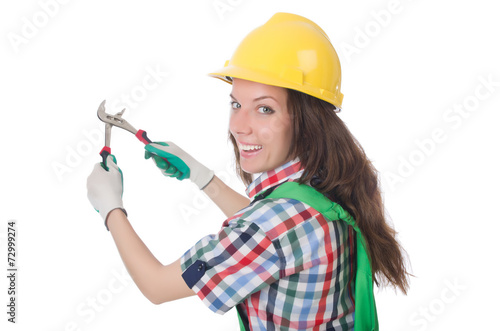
282,263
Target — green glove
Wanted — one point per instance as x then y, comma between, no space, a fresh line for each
180,164
105,188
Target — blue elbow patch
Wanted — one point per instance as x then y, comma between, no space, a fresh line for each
194,273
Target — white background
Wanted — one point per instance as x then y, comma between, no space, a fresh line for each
408,66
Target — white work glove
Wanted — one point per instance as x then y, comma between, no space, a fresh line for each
175,162
105,188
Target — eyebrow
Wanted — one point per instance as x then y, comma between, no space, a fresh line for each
257,99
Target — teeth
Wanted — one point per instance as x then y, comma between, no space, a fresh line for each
250,147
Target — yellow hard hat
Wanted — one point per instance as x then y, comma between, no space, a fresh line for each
288,51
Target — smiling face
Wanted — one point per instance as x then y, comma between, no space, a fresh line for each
261,125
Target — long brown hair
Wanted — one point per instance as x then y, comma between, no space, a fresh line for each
337,166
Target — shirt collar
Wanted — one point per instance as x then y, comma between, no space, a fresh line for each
288,171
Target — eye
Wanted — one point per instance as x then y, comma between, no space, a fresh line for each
265,110
234,105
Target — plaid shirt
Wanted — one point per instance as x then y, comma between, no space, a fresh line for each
279,260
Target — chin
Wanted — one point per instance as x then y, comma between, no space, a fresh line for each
255,168
250,170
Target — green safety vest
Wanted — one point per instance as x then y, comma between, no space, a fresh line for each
365,311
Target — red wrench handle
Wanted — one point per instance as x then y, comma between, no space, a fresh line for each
105,151
142,136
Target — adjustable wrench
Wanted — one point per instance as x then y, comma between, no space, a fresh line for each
117,120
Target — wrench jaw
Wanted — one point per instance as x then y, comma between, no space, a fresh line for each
115,120
101,111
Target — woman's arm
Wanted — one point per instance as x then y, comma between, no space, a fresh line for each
159,283
227,199
173,161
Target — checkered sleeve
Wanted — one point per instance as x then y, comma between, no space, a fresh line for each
224,269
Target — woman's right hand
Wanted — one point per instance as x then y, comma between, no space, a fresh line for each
173,161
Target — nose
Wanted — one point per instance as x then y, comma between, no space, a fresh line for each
240,122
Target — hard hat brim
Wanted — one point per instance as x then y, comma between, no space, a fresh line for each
294,81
